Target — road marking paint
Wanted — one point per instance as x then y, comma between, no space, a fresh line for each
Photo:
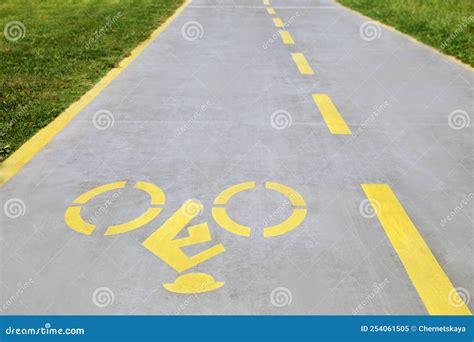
228,193
297,216
302,63
194,283
432,284
286,37
156,194
163,244
270,10
278,22
29,149
141,220
222,219
86,197
266,2
293,196
331,115
292,222
73,218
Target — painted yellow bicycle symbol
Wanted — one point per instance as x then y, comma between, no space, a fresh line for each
163,242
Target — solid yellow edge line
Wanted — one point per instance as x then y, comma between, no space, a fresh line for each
331,115
29,149
286,37
432,284
302,63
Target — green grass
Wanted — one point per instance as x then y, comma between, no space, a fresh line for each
447,25
67,48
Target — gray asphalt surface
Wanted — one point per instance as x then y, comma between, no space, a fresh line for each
194,117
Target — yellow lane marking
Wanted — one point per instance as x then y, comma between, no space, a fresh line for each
293,196
432,284
270,10
331,115
86,197
302,63
156,194
74,221
296,218
28,150
222,218
141,220
286,37
266,2
228,193
163,244
278,22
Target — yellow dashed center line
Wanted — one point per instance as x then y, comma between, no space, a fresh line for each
331,115
286,37
266,2
432,284
270,10
302,64
278,22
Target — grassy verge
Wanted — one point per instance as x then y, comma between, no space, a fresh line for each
52,52
447,25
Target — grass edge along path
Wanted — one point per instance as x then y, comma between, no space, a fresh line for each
46,65
445,25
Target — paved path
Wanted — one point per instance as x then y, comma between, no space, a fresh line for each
352,117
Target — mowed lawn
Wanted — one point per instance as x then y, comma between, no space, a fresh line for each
52,52
447,25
